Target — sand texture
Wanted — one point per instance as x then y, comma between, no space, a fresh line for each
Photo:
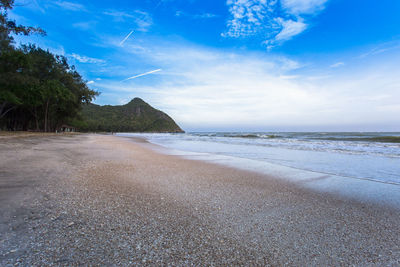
104,200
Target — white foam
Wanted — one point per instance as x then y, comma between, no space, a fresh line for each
363,190
382,191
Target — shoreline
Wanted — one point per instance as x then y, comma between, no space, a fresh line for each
65,197
364,190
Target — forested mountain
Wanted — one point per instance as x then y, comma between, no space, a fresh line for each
136,116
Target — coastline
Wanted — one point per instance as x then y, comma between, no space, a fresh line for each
364,190
96,199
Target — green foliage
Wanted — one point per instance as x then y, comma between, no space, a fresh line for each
38,90
136,116
8,26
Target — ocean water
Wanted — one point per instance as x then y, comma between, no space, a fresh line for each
369,156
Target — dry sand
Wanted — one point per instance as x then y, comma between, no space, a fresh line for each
106,200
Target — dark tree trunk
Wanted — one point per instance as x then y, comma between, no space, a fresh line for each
4,110
36,120
46,115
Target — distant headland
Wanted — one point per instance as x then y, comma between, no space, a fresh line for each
135,116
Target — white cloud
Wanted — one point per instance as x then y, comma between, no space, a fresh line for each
289,29
70,6
382,48
35,6
143,20
205,16
249,17
85,25
203,88
337,65
90,82
85,59
195,16
303,6
220,88
274,21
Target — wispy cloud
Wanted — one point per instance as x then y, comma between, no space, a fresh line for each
142,19
85,59
196,16
143,74
90,82
382,48
85,25
274,21
206,88
126,38
119,15
70,6
290,28
299,7
337,65
35,6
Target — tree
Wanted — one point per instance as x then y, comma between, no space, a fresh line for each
59,88
37,89
11,80
8,26
10,58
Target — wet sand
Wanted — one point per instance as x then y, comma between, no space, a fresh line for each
106,200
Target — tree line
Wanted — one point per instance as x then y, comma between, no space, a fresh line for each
38,90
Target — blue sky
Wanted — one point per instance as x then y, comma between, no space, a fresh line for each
235,64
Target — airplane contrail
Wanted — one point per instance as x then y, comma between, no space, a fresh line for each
126,38
159,2
143,74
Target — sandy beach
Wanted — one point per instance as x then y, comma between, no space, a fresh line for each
106,200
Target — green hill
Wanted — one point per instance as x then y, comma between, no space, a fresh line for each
136,116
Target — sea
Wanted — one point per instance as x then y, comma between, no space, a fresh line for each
373,156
